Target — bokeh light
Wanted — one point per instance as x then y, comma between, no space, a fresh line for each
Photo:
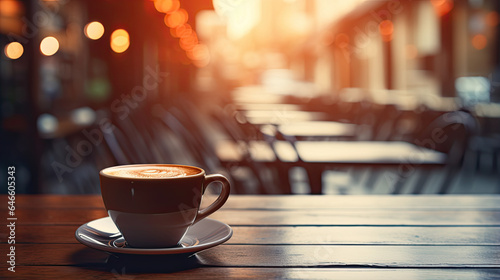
176,18
442,7
83,116
199,52
479,41
200,63
120,41
342,40
181,31
14,50
10,8
188,42
94,30
166,6
49,46
386,29
47,123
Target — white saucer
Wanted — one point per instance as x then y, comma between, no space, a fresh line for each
102,234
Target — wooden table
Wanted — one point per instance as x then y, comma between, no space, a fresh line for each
318,129
300,237
268,107
367,153
315,156
277,117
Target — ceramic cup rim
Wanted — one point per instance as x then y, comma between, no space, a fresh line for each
200,173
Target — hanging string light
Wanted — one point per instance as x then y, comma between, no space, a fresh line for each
176,19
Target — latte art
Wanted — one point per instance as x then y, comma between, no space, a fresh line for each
151,171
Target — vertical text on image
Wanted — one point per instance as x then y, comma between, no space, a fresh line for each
11,219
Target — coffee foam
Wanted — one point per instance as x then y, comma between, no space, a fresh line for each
151,171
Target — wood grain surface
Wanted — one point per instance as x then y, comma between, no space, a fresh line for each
293,237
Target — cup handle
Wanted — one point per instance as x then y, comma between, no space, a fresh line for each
224,194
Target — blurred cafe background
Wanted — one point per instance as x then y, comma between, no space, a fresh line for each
281,96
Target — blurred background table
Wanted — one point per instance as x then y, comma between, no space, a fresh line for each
276,117
318,129
300,237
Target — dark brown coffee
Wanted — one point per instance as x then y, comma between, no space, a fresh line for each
153,205
151,171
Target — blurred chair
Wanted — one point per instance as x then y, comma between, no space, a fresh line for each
70,164
124,146
449,134
199,149
215,156
131,140
407,125
486,143
452,129
244,144
385,121
80,176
